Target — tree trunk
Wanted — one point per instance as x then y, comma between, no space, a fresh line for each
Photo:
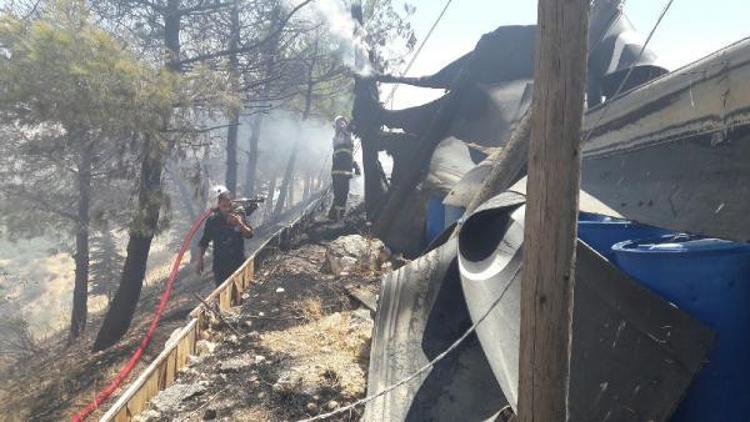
188,204
365,115
292,194
270,64
306,189
269,198
150,198
234,117
552,210
142,230
81,286
252,155
231,175
288,174
287,183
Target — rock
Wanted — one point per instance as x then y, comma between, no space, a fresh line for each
171,398
194,360
235,364
332,405
189,371
259,359
148,416
209,414
205,347
362,314
311,408
205,335
347,254
232,340
287,382
261,395
248,323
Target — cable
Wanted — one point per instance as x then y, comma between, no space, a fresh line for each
630,72
419,50
425,368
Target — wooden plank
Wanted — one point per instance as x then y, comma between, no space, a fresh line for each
552,210
135,397
509,165
162,372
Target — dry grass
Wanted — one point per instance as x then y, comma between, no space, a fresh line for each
329,350
310,309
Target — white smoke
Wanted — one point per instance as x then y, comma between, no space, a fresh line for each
350,36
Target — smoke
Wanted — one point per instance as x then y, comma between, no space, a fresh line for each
349,36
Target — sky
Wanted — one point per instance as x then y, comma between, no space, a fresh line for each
691,29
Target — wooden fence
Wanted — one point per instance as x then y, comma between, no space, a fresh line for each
161,373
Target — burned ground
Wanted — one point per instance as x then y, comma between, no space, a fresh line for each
298,346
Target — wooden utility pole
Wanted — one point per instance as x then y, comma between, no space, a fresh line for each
551,213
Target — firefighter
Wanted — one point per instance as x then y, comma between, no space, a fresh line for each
228,230
343,164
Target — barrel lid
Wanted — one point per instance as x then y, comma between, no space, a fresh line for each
681,243
589,218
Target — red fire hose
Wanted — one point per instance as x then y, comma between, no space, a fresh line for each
125,370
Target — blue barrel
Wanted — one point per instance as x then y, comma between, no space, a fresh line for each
601,232
453,214
435,218
710,280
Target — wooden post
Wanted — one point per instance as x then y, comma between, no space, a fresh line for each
510,165
552,208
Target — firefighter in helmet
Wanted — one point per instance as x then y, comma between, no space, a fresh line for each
343,164
227,229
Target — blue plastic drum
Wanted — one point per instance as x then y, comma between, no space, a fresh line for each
710,280
435,222
602,232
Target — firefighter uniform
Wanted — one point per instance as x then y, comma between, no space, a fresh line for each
341,172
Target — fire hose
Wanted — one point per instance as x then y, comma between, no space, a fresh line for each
128,367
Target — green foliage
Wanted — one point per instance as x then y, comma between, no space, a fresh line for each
61,70
106,264
69,90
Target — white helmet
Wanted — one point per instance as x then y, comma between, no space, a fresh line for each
338,120
216,191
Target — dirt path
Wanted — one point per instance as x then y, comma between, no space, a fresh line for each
302,349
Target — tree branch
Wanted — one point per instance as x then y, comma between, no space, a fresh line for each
204,8
246,48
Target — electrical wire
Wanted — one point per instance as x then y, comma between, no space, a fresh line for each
419,50
630,72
